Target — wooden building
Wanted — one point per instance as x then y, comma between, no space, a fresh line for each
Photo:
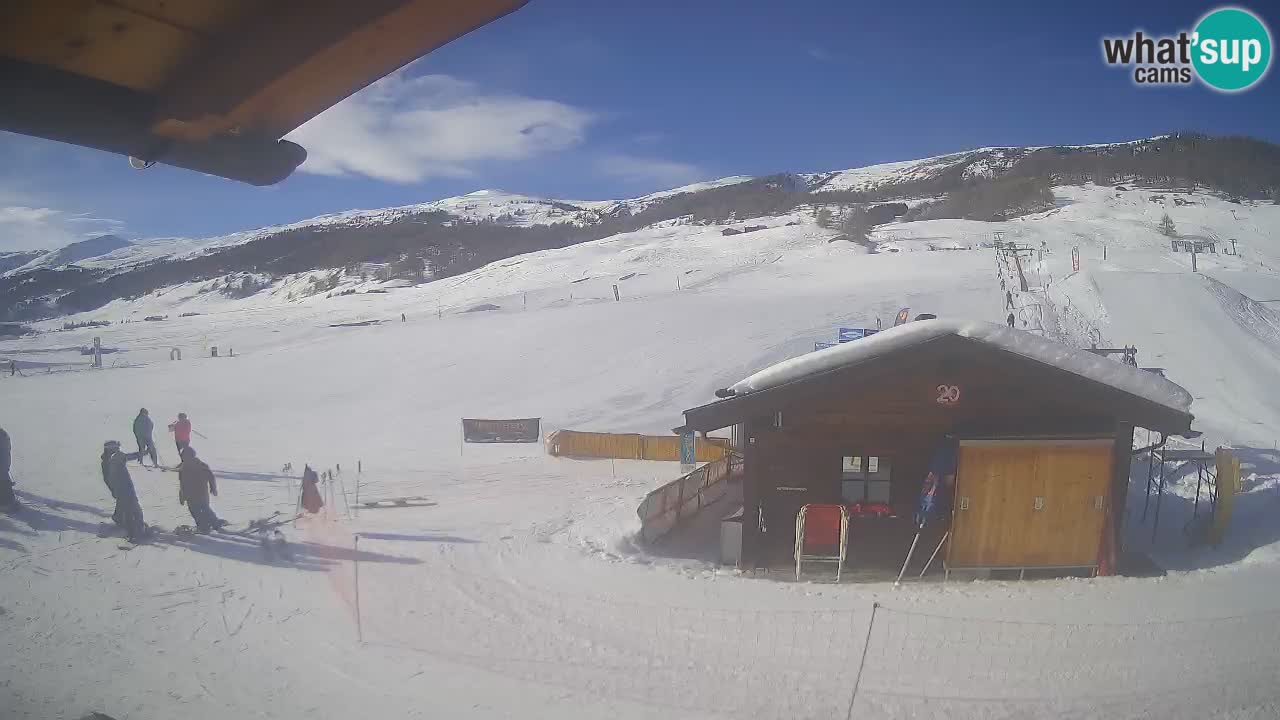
1044,434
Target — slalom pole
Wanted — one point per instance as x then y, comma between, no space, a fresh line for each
344,496
910,552
355,547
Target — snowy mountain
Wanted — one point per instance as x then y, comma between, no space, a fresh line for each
516,210
74,253
16,259
448,237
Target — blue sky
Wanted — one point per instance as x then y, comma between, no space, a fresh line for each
594,100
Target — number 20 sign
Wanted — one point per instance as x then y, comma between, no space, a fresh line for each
948,394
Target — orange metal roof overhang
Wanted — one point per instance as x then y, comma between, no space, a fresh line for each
208,85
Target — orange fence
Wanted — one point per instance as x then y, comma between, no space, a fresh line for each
572,443
665,508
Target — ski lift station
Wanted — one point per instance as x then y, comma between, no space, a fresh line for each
1039,437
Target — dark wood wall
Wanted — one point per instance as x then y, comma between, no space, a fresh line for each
900,419
890,407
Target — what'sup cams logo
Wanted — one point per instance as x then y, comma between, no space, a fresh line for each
1229,50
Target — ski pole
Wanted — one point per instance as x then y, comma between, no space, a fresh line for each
927,565
910,552
199,434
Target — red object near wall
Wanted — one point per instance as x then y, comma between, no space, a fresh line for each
822,525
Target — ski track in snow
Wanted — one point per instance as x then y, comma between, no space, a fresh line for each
520,591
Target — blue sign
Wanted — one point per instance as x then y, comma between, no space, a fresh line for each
823,345
687,454
849,334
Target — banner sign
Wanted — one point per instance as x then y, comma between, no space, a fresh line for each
523,430
687,455
903,315
849,334
820,345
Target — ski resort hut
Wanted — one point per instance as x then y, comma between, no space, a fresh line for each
1041,436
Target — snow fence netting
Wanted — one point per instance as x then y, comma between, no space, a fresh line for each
721,662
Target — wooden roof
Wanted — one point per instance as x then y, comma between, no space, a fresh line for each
900,387
211,85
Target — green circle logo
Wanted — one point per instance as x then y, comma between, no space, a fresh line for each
1232,49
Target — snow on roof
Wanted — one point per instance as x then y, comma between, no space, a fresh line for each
1100,369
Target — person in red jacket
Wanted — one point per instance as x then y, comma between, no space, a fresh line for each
181,429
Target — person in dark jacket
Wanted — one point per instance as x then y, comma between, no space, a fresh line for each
142,427
115,471
7,498
195,484
310,499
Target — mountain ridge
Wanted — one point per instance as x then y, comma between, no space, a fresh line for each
449,236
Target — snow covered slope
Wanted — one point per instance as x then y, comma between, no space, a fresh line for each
985,162
519,591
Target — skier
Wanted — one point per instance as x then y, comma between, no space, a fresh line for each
1008,299
311,500
128,512
142,428
401,317
195,484
7,499
1009,319
181,429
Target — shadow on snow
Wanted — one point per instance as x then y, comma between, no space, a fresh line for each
424,537
41,514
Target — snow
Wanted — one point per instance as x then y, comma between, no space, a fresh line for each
1115,374
644,201
521,592
982,163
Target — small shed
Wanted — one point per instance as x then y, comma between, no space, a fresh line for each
1041,434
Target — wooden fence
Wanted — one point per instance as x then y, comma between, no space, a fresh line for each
664,509
572,443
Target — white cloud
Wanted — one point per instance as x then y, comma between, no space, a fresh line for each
405,129
631,168
24,227
819,54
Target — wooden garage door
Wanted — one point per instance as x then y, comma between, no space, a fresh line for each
1029,503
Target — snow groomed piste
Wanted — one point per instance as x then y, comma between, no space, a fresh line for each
523,590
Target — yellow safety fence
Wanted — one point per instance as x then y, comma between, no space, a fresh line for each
572,443
1228,483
